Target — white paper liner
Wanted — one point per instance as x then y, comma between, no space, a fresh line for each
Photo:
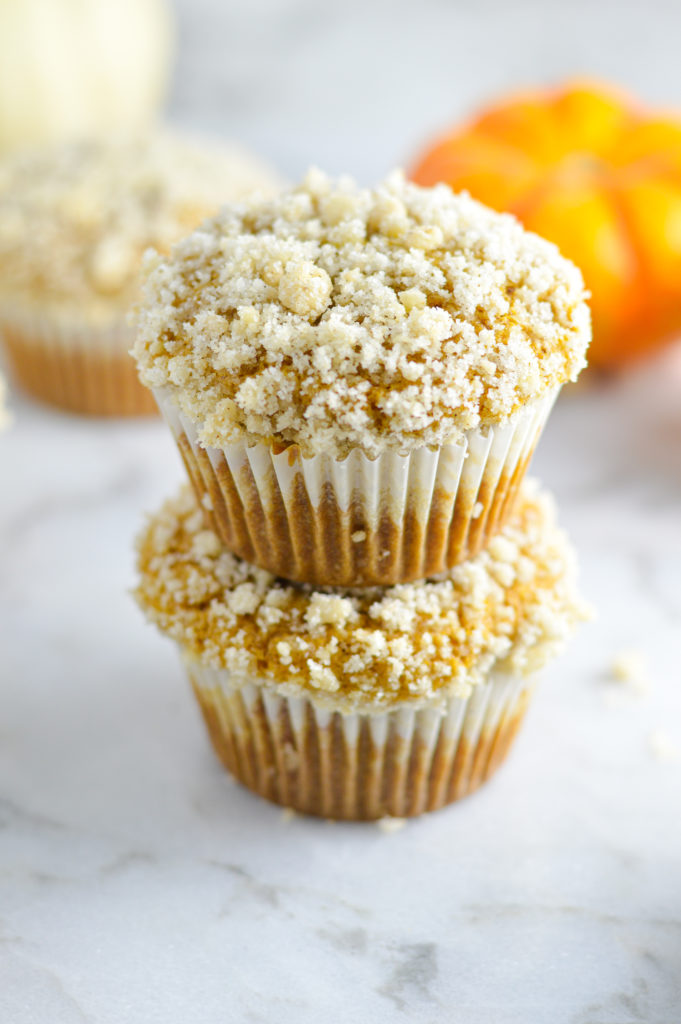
303,754
80,367
358,521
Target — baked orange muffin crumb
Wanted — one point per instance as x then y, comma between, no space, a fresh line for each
509,608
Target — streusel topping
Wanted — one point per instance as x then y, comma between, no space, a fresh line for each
511,607
333,317
76,219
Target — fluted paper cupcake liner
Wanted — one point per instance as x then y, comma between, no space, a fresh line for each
363,765
82,368
357,521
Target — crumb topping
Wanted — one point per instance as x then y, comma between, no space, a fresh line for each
511,607
75,220
333,317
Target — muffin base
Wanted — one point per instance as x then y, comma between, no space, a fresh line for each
86,371
358,522
359,766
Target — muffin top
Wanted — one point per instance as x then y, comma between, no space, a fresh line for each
509,608
333,317
75,219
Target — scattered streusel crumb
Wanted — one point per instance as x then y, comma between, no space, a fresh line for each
5,415
287,815
335,317
630,666
390,825
509,608
663,747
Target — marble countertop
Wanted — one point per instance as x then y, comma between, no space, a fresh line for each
139,885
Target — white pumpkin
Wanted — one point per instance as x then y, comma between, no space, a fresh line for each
80,67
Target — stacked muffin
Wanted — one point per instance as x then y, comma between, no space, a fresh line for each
362,587
75,221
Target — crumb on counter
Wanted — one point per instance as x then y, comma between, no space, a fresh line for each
630,666
390,825
5,414
663,748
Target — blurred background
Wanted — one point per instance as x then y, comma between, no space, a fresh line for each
362,87
359,87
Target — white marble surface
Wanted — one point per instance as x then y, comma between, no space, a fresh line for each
138,885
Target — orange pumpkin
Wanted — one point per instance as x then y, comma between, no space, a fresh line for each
599,175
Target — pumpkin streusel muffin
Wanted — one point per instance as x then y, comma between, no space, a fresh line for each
388,701
357,379
75,220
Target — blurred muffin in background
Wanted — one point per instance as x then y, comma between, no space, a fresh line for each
75,221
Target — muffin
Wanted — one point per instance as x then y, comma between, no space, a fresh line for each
388,701
357,379
75,221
